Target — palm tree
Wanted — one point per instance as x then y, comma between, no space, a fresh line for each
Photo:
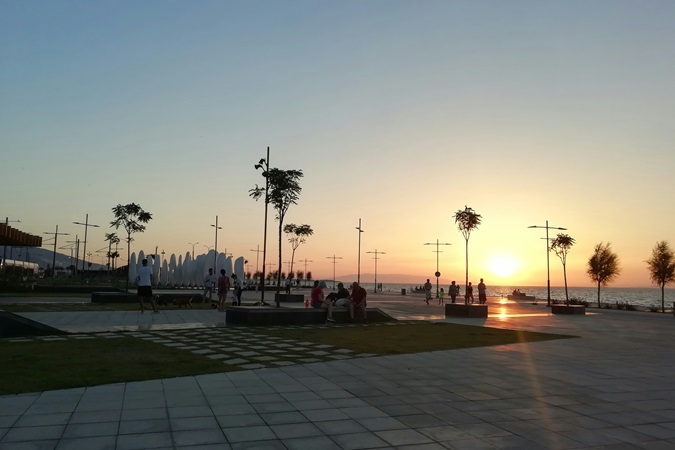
131,217
561,245
662,268
112,238
467,220
297,235
284,191
603,266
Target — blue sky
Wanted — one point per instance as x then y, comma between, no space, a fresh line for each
398,112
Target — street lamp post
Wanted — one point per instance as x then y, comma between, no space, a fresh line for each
358,272
376,258
334,262
548,250
56,236
215,247
257,255
86,226
193,249
437,251
264,164
4,247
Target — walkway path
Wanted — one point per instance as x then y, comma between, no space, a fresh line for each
612,388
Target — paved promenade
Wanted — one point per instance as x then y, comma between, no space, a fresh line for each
613,387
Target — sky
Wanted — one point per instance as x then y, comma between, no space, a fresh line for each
398,113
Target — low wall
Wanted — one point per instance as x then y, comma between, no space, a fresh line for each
463,310
125,297
12,325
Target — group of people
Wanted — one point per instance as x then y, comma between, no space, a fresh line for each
355,301
224,285
453,292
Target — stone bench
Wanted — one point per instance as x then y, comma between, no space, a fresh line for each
463,310
265,315
289,298
568,309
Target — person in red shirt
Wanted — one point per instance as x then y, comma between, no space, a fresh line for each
357,300
319,300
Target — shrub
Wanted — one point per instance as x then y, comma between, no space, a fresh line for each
607,306
654,308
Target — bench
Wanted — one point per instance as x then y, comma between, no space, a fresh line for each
289,298
265,315
463,310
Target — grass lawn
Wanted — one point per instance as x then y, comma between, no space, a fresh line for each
411,338
47,365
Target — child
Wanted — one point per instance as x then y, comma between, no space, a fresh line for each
441,296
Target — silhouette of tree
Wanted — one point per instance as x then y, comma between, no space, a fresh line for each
297,235
284,191
467,220
561,246
662,268
603,266
131,217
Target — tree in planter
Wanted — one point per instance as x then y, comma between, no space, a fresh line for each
561,246
662,268
603,266
467,220
300,274
297,235
284,191
132,218
308,277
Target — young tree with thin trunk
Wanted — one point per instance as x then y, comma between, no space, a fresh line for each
297,235
561,246
112,238
467,220
132,218
603,266
662,268
284,191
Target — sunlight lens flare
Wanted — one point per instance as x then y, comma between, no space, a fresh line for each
503,266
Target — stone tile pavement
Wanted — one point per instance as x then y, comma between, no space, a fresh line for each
612,388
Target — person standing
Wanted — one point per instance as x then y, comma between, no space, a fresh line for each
320,301
209,283
238,288
453,291
482,292
469,293
144,279
289,282
223,289
441,296
427,291
358,301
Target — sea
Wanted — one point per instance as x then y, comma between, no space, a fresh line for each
643,297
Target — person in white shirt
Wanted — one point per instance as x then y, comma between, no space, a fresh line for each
238,287
209,284
144,280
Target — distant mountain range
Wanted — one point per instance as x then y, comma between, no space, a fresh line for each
44,257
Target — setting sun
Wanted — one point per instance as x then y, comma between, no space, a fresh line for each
503,266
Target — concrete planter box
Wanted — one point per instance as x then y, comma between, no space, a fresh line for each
290,298
571,309
463,310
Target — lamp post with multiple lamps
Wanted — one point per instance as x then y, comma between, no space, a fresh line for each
548,250
334,262
257,254
56,236
215,247
264,165
376,258
437,251
358,271
86,226
193,249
